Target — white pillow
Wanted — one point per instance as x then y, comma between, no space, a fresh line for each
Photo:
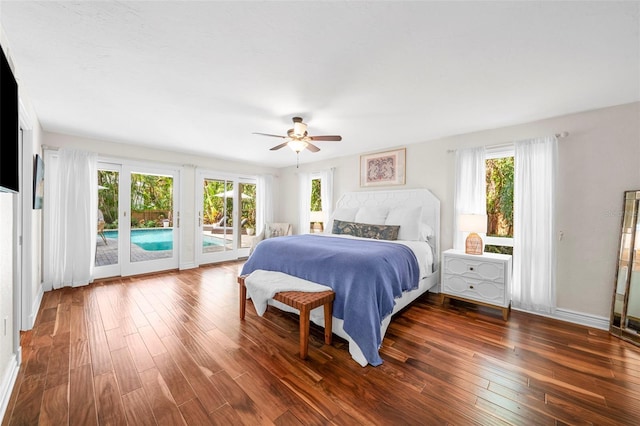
426,232
409,220
347,215
372,215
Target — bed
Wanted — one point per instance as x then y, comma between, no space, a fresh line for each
402,270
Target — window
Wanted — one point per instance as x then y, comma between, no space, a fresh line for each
499,187
316,217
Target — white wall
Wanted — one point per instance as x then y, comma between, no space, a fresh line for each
9,339
188,212
597,162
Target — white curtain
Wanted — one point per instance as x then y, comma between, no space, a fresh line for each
326,193
471,193
264,201
70,218
304,202
534,251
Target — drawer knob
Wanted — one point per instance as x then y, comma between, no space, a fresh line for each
471,268
470,286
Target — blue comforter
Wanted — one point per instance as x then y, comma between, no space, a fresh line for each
367,276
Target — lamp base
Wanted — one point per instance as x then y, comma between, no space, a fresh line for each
473,244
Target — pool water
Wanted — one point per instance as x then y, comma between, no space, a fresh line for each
157,239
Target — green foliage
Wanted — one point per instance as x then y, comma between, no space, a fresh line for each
216,205
498,249
108,196
151,192
316,197
248,204
499,180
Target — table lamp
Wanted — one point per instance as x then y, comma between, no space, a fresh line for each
474,224
317,218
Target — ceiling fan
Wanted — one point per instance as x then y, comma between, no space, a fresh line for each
298,138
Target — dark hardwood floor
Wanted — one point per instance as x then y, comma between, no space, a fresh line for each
170,349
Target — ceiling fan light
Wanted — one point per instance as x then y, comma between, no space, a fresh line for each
299,129
297,146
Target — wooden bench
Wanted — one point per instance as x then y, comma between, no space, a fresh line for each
304,302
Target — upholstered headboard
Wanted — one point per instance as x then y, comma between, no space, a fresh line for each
400,198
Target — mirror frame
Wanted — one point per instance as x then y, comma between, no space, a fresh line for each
620,330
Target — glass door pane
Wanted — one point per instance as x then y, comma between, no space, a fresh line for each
151,217
107,241
217,212
225,217
107,261
247,213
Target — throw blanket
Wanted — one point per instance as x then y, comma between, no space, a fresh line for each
367,275
263,285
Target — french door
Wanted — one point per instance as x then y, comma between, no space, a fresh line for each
225,216
138,219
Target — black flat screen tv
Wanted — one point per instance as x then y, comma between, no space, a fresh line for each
9,176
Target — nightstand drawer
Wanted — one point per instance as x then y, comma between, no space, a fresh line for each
474,269
480,290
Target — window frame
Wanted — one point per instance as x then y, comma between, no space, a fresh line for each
501,151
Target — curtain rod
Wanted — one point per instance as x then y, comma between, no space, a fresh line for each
560,135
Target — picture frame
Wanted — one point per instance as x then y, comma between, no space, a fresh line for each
383,168
38,182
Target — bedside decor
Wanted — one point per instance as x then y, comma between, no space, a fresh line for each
473,223
383,168
482,280
317,221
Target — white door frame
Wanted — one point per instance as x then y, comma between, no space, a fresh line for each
29,297
124,221
236,252
125,267
113,270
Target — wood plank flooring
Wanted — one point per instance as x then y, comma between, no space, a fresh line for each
170,349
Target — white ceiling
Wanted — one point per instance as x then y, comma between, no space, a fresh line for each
200,77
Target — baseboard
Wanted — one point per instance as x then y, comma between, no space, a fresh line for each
35,307
581,318
188,265
574,317
8,382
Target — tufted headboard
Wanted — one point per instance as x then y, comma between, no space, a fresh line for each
400,198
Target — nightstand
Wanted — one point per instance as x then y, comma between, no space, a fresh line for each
481,279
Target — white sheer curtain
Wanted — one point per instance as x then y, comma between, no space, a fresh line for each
264,201
471,193
304,202
326,193
534,251
70,218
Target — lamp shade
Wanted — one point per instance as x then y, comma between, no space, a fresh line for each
316,216
297,145
472,223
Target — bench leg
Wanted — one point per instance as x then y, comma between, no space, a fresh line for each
328,320
243,297
304,332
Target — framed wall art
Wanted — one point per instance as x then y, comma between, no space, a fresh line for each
383,168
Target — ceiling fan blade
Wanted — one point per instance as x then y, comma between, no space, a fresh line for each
277,147
334,138
311,147
267,134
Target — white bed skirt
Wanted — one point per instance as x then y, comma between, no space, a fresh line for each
317,315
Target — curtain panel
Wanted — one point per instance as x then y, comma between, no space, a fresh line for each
471,193
70,218
304,202
264,201
534,249
326,193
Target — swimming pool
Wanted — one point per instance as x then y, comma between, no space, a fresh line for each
156,239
